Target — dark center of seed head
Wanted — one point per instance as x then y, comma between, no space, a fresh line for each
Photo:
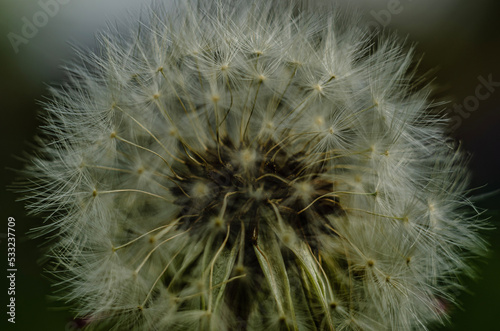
242,180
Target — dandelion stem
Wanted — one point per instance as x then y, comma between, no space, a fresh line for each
212,268
174,222
155,248
150,151
133,190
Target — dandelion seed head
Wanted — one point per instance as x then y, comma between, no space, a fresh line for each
259,165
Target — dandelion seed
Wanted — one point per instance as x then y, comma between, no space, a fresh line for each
228,167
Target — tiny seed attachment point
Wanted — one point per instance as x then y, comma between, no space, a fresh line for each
318,88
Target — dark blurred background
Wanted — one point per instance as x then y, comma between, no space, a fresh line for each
459,38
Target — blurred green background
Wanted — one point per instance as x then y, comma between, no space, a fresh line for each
461,38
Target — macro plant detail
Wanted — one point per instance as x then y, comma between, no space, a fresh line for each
251,166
